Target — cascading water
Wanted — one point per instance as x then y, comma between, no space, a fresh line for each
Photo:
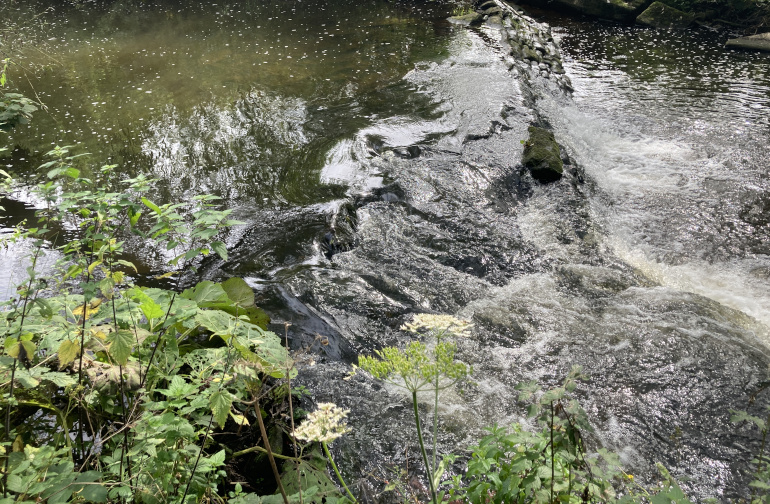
375,154
652,275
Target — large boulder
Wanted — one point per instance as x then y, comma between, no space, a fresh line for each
542,155
759,42
660,15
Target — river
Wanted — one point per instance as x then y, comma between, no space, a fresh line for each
373,149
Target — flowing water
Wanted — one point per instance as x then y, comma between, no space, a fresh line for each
373,150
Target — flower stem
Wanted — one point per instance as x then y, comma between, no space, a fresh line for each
422,447
337,471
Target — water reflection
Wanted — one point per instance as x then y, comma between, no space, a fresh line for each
677,69
243,100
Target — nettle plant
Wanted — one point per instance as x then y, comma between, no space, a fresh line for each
552,464
107,391
15,109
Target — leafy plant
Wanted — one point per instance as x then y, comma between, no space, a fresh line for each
546,466
417,369
15,108
132,397
323,426
760,485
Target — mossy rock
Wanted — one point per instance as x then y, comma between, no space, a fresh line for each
660,15
472,18
759,42
542,155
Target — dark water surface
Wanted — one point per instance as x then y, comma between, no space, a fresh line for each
373,150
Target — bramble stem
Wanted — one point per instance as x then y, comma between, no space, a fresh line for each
269,450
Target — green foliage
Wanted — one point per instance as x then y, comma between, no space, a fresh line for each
46,474
187,238
546,466
760,485
513,465
133,397
418,368
15,109
752,14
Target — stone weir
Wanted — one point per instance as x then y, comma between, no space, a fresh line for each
529,41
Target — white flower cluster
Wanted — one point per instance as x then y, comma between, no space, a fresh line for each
446,325
324,425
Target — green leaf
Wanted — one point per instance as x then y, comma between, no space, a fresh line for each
12,347
90,491
219,323
190,254
58,379
151,309
741,416
69,350
207,294
552,395
310,473
220,248
252,342
248,498
44,306
152,206
134,216
27,350
233,296
220,403
179,388
238,291
121,343
218,458
16,483
94,493
25,379
127,264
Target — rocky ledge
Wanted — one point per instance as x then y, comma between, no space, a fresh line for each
759,42
660,15
528,40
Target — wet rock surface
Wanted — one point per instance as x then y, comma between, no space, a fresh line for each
542,155
457,227
760,42
660,15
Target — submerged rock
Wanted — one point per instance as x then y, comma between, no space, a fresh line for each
660,15
542,155
472,18
760,42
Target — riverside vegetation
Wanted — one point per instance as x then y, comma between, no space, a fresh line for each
113,392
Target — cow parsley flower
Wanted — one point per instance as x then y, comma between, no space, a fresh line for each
324,425
440,325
